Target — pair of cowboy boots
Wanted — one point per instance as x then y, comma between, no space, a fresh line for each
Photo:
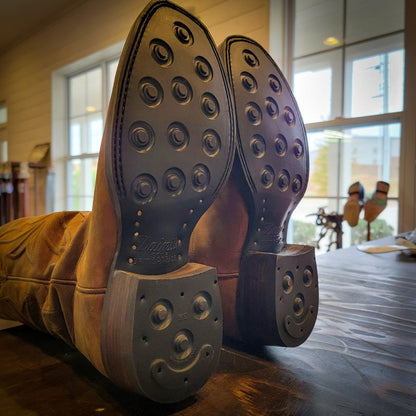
139,284
373,206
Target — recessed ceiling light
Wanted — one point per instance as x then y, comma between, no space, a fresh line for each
90,108
331,41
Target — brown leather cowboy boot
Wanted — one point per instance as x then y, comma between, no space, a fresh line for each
269,289
117,283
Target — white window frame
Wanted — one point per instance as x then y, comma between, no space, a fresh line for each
281,45
60,130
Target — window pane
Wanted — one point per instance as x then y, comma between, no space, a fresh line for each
77,95
3,114
317,86
318,25
323,153
385,225
371,154
86,122
76,135
111,73
95,131
368,18
395,81
94,90
90,171
81,182
303,228
74,184
374,77
85,92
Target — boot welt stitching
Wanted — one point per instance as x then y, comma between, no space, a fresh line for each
41,281
91,291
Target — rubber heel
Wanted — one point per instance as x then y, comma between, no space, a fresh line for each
278,296
162,334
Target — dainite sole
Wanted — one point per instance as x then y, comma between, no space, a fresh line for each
277,294
170,151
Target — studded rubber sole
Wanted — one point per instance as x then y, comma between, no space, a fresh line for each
354,204
273,156
169,152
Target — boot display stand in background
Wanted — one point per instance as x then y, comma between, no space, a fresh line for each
14,193
21,189
26,188
42,178
332,223
372,206
329,222
6,194
375,204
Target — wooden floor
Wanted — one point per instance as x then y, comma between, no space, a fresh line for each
359,360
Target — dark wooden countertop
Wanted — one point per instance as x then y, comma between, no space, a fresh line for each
359,360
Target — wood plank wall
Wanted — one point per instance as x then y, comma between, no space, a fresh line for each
25,68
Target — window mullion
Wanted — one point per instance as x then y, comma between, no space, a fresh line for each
104,95
356,121
344,37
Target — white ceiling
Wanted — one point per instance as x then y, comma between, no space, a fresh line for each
20,18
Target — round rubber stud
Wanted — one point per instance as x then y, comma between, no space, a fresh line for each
258,146
307,276
249,82
297,184
290,116
283,180
250,58
298,149
178,136
144,188
299,305
203,69
280,145
211,143
142,136
161,52
272,108
287,283
200,178
183,34
151,91
275,84
267,176
253,113
181,90
174,181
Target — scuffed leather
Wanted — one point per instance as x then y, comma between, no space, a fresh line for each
219,236
54,271
94,267
217,241
38,258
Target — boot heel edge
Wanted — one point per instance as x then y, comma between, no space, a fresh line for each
278,296
162,334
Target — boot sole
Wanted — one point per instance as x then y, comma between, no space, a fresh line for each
277,292
352,211
354,204
169,154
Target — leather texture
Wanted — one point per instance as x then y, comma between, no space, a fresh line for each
38,262
54,271
55,268
217,241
